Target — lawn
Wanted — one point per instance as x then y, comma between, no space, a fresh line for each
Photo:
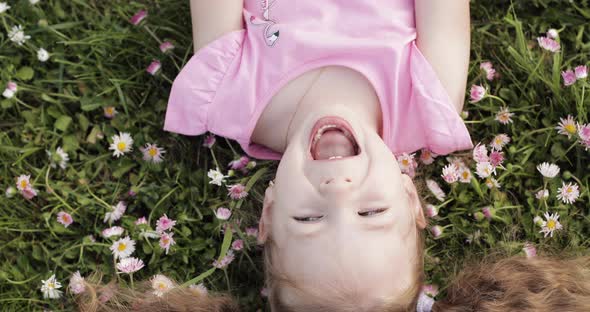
84,90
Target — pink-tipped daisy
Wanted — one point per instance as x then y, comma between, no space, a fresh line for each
569,77
112,231
64,218
450,173
552,33
487,212
164,224
489,70
237,245
154,67
477,93
496,158
166,240
435,190
427,156
110,112
485,169
130,265
10,90
223,213
548,44
436,231
568,193
240,163
529,250
431,210
161,285
480,153
567,126
138,17
581,71
542,194
152,153
166,46
237,191
225,261
407,164
551,224
504,116
140,221
499,141
252,231
116,213
209,141
584,132
430,290
77,285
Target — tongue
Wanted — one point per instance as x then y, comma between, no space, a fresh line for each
333,143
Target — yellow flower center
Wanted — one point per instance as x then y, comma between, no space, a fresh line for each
570,128
153,151
50,285
165,240
65,218
122,246
121,146
465,174
162,286
23,183
405,162
569,190
109,110
498,141
551,224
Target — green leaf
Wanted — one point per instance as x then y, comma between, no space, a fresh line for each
87,104
63,122
25,73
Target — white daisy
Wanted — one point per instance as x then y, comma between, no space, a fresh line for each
112,231
544,193
567,126
568,193
166,241
4,7
77,285
216,177
152,153
123,248
465,175
161,284
42,55
450,173
500,141
23,182
59,156
485,169
435,189
122,143
200,288
548,170
50,287
492,183
17,35
129,265
11,88
407,164
503,116
550,224
117,212
33,2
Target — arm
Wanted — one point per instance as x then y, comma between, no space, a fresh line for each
213,18
444,37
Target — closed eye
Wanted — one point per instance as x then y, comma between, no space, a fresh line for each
308,219
372,212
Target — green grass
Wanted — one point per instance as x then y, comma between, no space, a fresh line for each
98,59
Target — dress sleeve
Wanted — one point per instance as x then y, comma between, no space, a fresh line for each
195,87
443,129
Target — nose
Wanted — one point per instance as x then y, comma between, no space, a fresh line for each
335,185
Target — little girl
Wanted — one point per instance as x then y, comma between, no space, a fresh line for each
334,90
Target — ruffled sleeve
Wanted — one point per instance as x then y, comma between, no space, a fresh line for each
442,128
195,87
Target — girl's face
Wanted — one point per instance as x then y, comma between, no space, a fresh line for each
345,223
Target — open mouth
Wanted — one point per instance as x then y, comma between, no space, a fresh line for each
332,138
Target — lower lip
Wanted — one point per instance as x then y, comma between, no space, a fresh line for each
331,120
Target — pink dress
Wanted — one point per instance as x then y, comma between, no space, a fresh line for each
226,85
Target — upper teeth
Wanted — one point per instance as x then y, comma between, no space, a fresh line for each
326,127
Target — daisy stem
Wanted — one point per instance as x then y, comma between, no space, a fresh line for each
581,109
497,98
53,192
166,78
152,34
131,279
214,159
98,199
231,147
227,280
